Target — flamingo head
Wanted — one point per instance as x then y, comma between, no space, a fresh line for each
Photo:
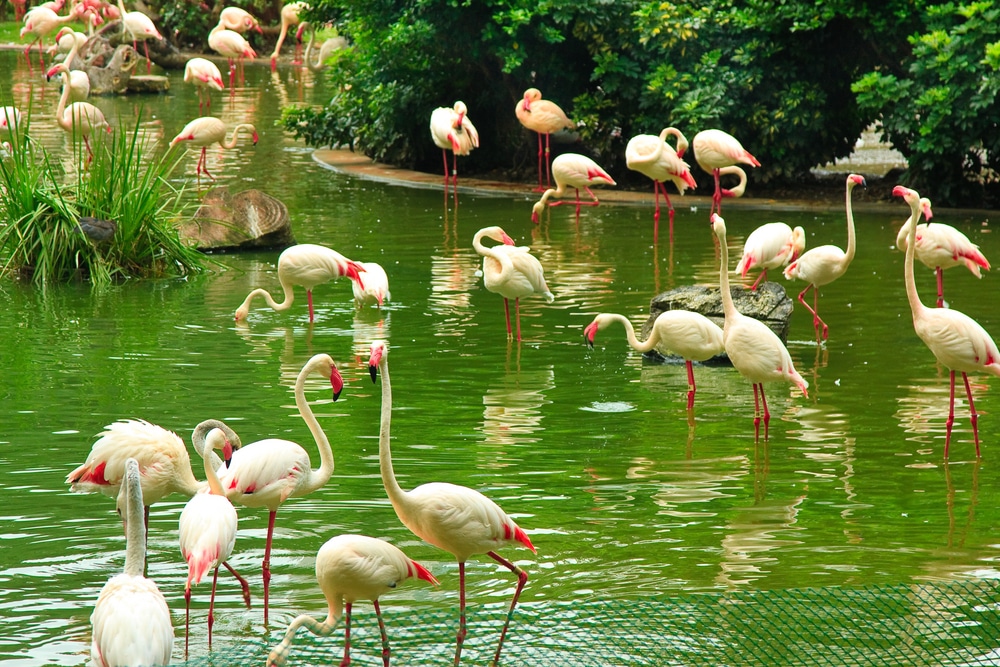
420,572
908,195
336,380
797,243
216,439
498,235
55,69
302,29
925,208
536,211
855,179
591,330
255,138
718,225
379,349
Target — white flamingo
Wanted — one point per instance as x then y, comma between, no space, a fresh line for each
239,20
451,130
652,156
79,118
715,149
142,29
542,117
204,131
232,45
375,290
572,170
205,75
770,246
289,17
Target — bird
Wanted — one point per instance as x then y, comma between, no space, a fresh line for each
207,533
510,271
268,472
207,130
822,265
10,119
754,350
232,45
454,518
239,20
652,156
204,74
351,568
306,265
79,118
688,334
79,81
941,246
142,29
131,621
715,149
289,17
542,117
39,22
451,130
771,246
375,290
326,49
957,341
574,171
65,39
95,228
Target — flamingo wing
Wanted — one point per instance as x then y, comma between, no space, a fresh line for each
131,624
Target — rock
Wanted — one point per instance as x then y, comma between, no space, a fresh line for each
248,219
161,52
148,83
108,68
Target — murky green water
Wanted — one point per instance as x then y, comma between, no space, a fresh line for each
591,451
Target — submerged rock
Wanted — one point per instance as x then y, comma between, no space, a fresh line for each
234,221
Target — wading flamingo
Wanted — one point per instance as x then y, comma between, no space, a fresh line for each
230,44
39,23
690,335
510,271
822,265
65,39
957,341
131,622
542,117
454,518
205,75
572,170
715,149
79,82
10,119
326,49
207,130
268,472
375,291
141,28
239,20
755,351
452,131
306,265
289,17
770,246
351,568
652,156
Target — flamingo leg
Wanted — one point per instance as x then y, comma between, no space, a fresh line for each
548,161
211,604
454,172
974,416
347,635
826,329
444,155
767,414
517,313
266,565
577,190
816,318
382,633
522,579
243,583
187,618
753,288
756,414
656,211
541,152
940,286
232,74
309,298
951,415
691,387
506,310
717,195
145,47
595,201
462,630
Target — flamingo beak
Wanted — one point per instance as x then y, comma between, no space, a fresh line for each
589,333
374,360
255,138
507,240
337,382
227,452
900,191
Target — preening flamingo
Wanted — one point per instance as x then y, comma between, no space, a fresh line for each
770,246
289,17
574,171
326,49
268,472
542,117
755,351
957,341
306,265
683,332
715,149
230,44
822,265
941,246
79,118
454,518
510,271
39,23
452,131
375,290
351,568
652,156
142,29
205,75
131,622
207,130
239,20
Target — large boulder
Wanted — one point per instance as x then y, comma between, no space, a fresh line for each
248,219
109,68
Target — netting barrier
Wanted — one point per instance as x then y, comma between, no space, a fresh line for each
932,624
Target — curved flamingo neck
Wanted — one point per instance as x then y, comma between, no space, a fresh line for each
682,142
135,535
64,123
488,251
279,654
397,496
849,254
286,303
637,345
214,485
232,138
728,307
916,305
317,478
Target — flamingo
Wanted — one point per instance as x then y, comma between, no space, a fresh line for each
755,351
510,271
328,46
204,74
652,156
715,149
824,264
940,247
306,265
230,44
268,472
10,119
204,132
131,622
575,171
452,130
957,341
454,518
542,117
65,40
239,20
79,82
689,334
39,23
141,28
351,568
289,18
79,118
375,290
770,246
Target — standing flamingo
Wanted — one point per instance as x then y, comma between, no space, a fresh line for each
452,131
351,568
39,23
542,117
306,265
824,264
233,46
770,246
207,130
510,271
653,157
268,472
141,28
957,341
65,39
455,518
79,118
375,290
574,171
131,622
689,334
79,82
941,247
239,20
289,17
10,119
326,49
755,351
204,74
715,149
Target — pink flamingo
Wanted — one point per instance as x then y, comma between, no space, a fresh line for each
268,472
824,264
452,131
10,119
230,44
715,149
957,341
141,28
653,157
306,265
574,171
375,290
79,81
755,351
542,117
79,118
207,130
39,23
239,20
510,271
688,334
770,246
289,17
351,568
454,518
204,75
